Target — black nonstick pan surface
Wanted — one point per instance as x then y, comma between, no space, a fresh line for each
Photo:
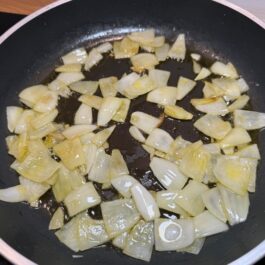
28,57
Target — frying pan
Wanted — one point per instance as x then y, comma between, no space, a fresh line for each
28,56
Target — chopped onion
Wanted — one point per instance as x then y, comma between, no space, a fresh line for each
108,86
143,37
126,82
178,49
249,151
31,95
123,184
78,130
101,137
57,220
213,126
207,224
184,86
118,164
75,56
177,112
227,70
91,100
121,114
204,72
178,144
161,53
119,216
195,56
159,77
195,247
168,174
213,148
136,134
139,243
84,87
173,234
13,115
69,78
145,202
249,120
196,67
17,146
163,95
42,131
125,48
144,122
60,88
83,115
240,103
211,90
242,85
252,163
143,61
93,58
90,151
104,47
69,68
44,118
120,240
81,198
14,194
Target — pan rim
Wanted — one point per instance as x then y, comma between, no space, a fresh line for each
14,256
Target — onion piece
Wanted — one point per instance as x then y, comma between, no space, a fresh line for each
178,49
249,120
121,114
177,112
123,184
69,68
139,243
143,61
126,82
78,130
243,86
166,200
195,247
101,137
227,70
125,48
184,86
189,198
118,165
60,88
81,198
57,220
213,149
120,240
195,56
145,202
252,163
211,90
207,224
143,37
163,95
93,58
204,72
92,101
71,153
108,108
90,151
160,140
249,151
239,103
83,115
14,194
237,136
17,145
108,86
104,47
136,134
161,53
168,174
119,216
75,56
144,122
213,126
159,77
213,202
173,234
214,106
47,102
42,131
196,67
84,87
44,118
178,144
69,78
13,115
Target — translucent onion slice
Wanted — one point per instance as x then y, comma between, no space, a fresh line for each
227,70
123,184
126,82
178,144
92,101
84,87
159,77
204,72
178,49
100,171
83,115
190,197
237,136
13,115
214,106
78,130
69,78
209,176
160,140
71,153
166,200
207,224
57,220
101,137
60,88
143,61
195,247
168,174
242,85
144,122
213,126
163,95
125,48
14,194
104,47
213,202
81,198
195,56
177,112
161,53
213,148
139,243
90,151
233,172
211,90
145,202
93,58
252,163
108,108
75,56
249,151
173,234
196,67
136,134
119,216
44,118
239,103
69,68
120,240
108,86
42,131
249,120
17,146
235,206
121,114
118,165
184,87
143,37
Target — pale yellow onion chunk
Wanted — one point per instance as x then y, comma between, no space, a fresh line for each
143,37
178,49
57,220
195,247
84,87
16,193
159,77
204,72
136,134
249,120
143,61
69,68
120,240
249,151
76,56
184,87
177,112
83,115
118,166
123,184
163,95
93,58
102,136
90,151
108,86
13,114
227,70
162,52
69,78
239,103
